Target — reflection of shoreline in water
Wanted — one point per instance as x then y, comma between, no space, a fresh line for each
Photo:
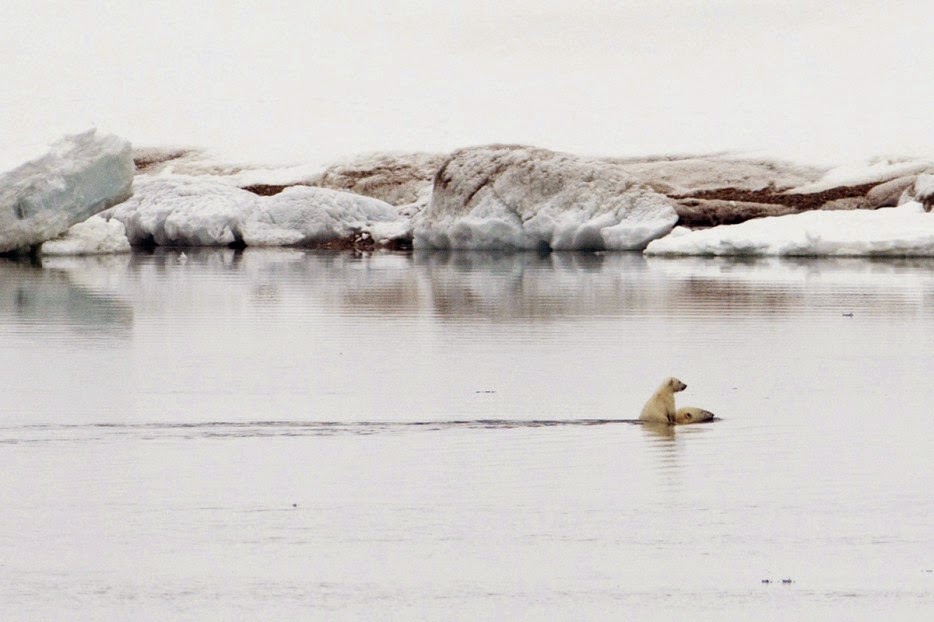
520,287
39,296
882,286
497,287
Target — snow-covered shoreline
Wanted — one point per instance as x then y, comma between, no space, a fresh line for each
521,198
514,198
904,231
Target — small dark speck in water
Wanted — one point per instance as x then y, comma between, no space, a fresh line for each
786,581
485,391
766,581
848,314
294,505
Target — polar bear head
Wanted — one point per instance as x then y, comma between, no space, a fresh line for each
692,414
675,385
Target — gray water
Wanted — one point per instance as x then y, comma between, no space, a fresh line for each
291,435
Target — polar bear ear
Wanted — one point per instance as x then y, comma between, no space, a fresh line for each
688,416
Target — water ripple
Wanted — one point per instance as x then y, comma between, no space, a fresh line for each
256,429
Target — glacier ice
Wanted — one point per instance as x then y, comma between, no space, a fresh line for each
514,197
80,176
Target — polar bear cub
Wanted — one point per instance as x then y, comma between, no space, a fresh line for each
661,406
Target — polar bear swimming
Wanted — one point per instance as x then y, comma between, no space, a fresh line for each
692,414
661,406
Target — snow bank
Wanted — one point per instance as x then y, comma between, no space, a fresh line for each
874,171
195,162
198,211
400,179
511,197
306,216
894,231
80,176
184,211
94,236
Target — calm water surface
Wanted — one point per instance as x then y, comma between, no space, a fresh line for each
291,435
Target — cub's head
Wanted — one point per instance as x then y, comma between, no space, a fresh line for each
676,385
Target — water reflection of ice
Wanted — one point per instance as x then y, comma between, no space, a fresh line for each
498,287
44,297
501,287
528,287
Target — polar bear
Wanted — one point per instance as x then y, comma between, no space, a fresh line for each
692,414
661,406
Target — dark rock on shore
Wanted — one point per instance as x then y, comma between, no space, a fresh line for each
151,159
709,208
712,212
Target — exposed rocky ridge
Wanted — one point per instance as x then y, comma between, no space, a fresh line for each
726,206
701,212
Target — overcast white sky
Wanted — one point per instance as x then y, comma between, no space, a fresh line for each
313,79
